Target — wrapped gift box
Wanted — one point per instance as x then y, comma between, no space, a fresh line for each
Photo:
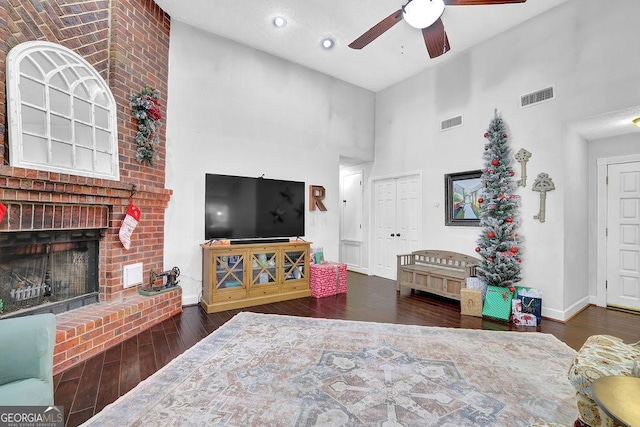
533,306
329,278
497,303
524,319
475,282
317,255
471,302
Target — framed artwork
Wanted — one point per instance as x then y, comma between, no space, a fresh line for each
461,193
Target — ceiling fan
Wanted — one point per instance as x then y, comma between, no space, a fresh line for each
424,15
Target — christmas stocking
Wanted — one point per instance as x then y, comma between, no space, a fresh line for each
129,224
3,210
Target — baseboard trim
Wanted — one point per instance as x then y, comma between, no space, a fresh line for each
568,313
364,271
190,299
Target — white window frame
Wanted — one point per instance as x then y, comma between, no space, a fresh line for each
83,140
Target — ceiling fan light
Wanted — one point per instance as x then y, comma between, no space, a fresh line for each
422,13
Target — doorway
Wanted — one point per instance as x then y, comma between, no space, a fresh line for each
351,234
397,221
619,216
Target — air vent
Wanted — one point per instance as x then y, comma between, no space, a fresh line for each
453,122
536,97
132,275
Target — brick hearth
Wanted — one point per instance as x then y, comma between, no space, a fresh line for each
127,42
87,331
121,313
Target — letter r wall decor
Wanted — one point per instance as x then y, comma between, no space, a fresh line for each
316,196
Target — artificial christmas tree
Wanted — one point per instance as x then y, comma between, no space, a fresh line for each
499,243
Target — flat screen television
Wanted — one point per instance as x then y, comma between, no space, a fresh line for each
239,207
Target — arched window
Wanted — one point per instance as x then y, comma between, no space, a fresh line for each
62,114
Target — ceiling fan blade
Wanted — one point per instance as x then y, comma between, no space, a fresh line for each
377,30
479,2
435,37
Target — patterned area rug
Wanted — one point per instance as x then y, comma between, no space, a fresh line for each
272,370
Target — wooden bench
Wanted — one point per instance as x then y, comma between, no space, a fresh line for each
439,272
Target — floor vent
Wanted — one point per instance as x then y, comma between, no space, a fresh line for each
538,96
453,122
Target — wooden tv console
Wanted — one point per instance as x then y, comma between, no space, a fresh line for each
244,275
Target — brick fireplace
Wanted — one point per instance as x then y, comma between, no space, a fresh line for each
48,271
127,42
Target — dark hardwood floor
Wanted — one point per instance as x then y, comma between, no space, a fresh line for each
85,389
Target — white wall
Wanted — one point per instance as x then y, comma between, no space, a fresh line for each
575,197
238,111
584,49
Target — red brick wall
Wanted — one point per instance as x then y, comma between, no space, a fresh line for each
4,31
139,57
129,46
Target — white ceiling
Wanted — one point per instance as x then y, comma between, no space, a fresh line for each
396,55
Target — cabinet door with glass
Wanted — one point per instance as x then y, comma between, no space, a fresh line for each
264,272
295,266
229,266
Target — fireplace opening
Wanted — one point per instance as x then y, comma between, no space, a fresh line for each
48,271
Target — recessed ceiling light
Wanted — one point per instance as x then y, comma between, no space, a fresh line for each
279,21
328,43
636,121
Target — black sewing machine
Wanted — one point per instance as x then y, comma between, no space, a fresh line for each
164,285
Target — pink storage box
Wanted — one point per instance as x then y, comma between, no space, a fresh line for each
328,278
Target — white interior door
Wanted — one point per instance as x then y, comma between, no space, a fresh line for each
397,222
623,240
385,228
408,215
351,238
352,207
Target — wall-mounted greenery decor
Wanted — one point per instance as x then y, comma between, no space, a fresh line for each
145,107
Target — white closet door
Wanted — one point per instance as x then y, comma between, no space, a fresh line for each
398,220
409,214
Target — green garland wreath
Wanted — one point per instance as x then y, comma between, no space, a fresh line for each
145,107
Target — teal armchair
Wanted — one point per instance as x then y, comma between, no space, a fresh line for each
26,360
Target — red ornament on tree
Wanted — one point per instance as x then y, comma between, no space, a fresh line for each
512,288
519,260
495,162
504,135
514,250
511,173
486,134
477,249
491,235
509,220
480,200
490,259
